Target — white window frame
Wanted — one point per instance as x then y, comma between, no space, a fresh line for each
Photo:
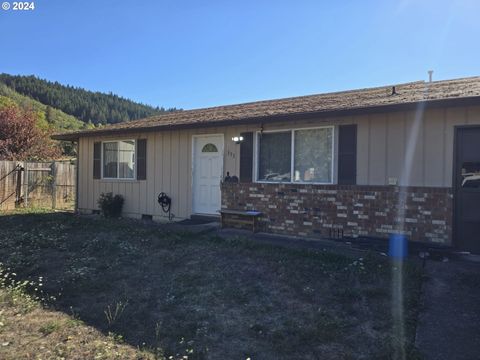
292,155
134,178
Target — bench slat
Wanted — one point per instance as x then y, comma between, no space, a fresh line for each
241,212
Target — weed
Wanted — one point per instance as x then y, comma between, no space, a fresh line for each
49,327
113,313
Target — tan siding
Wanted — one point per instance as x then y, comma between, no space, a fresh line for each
454,116
382,145
158,171
189,177
363,129
92,184
377,150
414,149
231,151
150,193
82,167
395,147
433,143
174,173
166,175
473,115
87,173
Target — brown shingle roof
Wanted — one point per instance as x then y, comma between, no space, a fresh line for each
336,102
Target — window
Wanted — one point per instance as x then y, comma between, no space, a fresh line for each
119,159
309,160
274,157
209,148
313,155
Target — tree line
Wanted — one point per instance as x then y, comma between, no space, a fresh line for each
90,107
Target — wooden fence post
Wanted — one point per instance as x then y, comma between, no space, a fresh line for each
54,185
25,182
18,185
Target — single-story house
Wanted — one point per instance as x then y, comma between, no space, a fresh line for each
369,162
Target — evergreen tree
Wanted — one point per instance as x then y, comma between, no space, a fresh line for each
88,106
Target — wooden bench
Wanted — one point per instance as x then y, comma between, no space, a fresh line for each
240,218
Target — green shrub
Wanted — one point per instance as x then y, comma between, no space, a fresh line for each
110,205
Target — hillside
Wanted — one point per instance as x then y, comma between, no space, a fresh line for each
88,106
54,117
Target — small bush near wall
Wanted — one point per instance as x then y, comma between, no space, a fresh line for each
111,205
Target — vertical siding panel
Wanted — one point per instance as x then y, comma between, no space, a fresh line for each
377,150
189,169
396,147
230,147
236,151
234,160
454,116
158,169
412,170
174,169
115,188
107,187
87,164
150,200
183,175
166,175
127,207
102,187
90,181
142,190
83,174
134,197
121,186
434,155
362,150
473,115
414,142
142,198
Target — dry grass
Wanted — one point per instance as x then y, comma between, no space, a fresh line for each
185,296
29,331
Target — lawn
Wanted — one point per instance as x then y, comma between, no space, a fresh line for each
123,289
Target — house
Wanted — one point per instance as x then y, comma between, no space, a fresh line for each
369,162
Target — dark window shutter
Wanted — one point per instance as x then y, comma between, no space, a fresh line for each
246,157
142,159
97,160
347,155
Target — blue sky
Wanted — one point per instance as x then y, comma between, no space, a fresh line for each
192,54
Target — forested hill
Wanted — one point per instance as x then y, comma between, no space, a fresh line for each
88,106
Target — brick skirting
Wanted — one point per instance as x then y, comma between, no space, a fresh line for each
357,210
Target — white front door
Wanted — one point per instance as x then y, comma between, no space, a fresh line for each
207,173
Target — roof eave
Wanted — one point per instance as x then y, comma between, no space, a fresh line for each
463,101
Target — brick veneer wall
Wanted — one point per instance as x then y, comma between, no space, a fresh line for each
306,210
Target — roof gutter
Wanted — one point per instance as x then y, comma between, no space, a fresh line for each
450,102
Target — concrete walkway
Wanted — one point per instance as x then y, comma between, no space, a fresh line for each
341,247
449,325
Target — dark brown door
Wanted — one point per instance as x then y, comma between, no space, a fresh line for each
467,188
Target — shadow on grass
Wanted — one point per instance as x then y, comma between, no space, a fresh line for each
206,297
